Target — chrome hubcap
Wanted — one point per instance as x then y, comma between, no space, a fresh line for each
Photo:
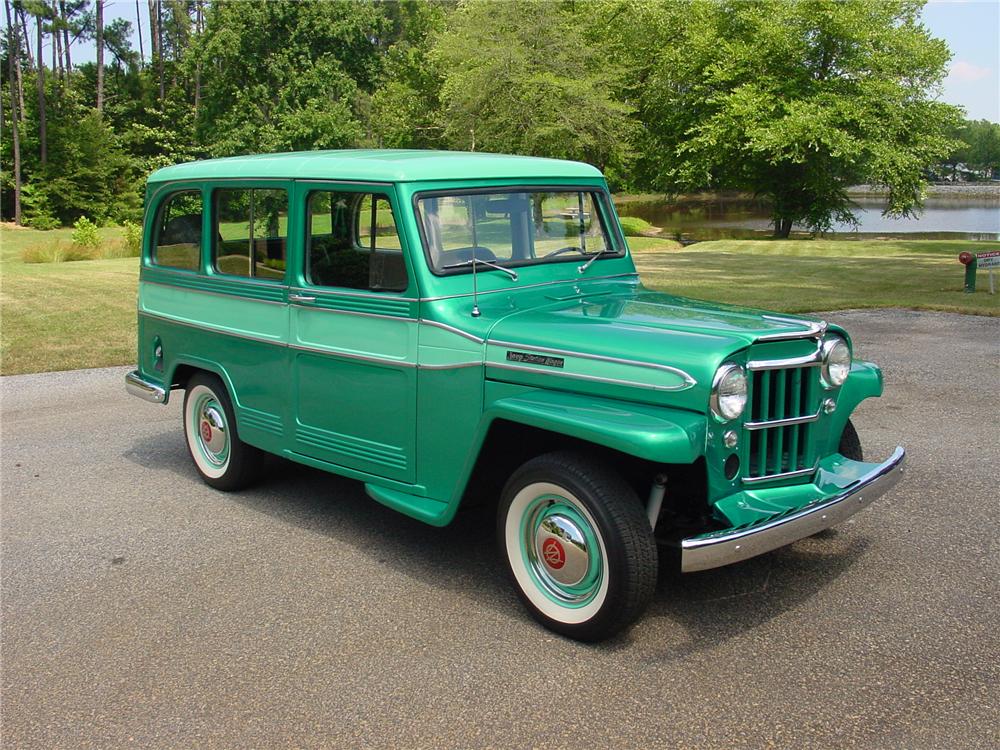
212,432
562,549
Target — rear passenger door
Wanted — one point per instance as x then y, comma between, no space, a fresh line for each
353,333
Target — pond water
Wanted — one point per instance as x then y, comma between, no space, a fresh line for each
953,216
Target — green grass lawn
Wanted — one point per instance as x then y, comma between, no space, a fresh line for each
61,316
806,275
64,316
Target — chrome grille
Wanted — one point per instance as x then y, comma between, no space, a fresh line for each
783,405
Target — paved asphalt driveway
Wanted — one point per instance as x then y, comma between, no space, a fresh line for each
140,608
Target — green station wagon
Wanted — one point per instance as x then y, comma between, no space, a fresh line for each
453,327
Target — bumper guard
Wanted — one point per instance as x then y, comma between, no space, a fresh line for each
147,390
720,548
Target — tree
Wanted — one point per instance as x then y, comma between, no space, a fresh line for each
138,23
983,146
406,108
100,55
16,103
40,10
794,100
284,75
520,77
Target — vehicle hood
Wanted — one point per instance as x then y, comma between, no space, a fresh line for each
665,345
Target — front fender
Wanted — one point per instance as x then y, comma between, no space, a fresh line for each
650,432
864,381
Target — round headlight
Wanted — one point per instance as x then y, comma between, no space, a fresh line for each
729,392
836,362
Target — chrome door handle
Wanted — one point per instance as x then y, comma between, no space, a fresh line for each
300,298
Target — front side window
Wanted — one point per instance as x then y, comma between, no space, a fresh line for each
353,242
512,228
178,231
251,232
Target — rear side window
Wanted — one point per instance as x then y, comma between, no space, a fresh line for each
251,232
178,231
353,242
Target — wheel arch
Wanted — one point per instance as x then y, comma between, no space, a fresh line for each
184,368
637,440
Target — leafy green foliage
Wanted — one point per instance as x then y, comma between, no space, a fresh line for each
977,149
520,77
284,75
132,234
791,99
85,233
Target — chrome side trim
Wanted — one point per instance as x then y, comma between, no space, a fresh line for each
455,366
720,548
348,355
530,286
785,475
813,330
136,385
212,329
357,183
689,381
314,349
809,360
781,422
594,378
452,329
325,292
311,307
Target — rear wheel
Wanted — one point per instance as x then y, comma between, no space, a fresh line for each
224,461
578,546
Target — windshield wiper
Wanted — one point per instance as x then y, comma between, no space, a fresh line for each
476,261
583,268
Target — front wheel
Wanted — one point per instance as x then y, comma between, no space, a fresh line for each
224,461
850,443
578,546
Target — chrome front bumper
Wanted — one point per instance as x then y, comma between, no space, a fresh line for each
720,548
147,390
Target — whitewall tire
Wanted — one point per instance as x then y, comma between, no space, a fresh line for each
578,545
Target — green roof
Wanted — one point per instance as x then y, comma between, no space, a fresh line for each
378,166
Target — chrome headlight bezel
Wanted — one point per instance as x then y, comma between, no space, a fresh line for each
720,403
836,364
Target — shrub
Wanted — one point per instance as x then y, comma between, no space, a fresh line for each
133,239
633,226
41,221
85,233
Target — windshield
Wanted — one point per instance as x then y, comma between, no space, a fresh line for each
513,228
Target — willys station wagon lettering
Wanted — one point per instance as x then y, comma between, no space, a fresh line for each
450,328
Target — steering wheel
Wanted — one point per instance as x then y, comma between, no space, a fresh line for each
560,251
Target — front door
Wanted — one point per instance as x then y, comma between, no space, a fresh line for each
353,338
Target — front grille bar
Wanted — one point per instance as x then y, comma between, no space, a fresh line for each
783,475
809,360
782,422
